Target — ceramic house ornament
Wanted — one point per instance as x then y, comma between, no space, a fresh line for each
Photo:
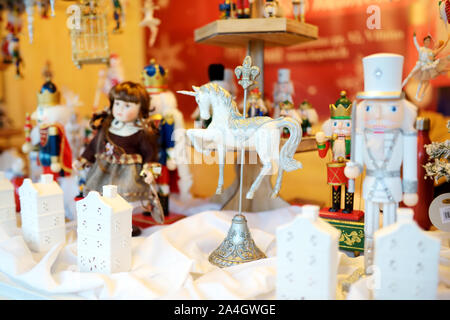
384,141
407,261
104,232
307,257
42,212
7,204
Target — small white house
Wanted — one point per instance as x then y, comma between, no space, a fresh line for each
406,261
7,205
42,213
307,258
104,232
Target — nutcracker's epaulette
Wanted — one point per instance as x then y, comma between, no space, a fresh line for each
168,119
156,117
52,129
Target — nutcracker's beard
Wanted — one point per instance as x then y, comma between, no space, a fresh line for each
376,146
339,149
380,126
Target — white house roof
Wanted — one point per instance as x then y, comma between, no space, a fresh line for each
110,199
44,188
5,184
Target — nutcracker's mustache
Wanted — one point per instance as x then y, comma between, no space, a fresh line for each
382,124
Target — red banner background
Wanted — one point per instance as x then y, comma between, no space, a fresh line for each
319,69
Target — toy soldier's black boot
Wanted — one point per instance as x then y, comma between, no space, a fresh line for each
164,200
136,231
348,202
336,192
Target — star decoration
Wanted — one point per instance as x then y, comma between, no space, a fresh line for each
167,53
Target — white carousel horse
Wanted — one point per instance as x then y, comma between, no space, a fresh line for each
229,130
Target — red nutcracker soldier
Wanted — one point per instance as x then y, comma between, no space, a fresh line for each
54,153
243,8
338,129
175,175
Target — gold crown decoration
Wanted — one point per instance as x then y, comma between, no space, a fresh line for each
154,77
49,95
342,109
286,105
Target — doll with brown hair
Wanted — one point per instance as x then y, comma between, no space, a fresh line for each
124,150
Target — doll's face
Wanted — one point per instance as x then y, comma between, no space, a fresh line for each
427,43
380,115
341,127
125,111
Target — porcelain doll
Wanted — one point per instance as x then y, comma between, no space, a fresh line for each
283,90
124,151
428,65
175,176
336,136
385,143
270,8
54,154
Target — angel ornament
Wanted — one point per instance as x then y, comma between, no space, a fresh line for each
429,66
384,141
150,21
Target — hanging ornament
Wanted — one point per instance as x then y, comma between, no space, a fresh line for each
90,43
52,5
29,7
150,21
444,11
118,15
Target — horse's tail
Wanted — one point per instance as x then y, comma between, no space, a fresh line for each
287,161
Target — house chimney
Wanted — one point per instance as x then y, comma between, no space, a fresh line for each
110,191
46,178
310,212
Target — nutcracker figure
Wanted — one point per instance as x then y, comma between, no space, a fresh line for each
336,137
385,143
309,117
270,8
175,176
299,10
255,105
227,8
287,110
243,8
283,90
54,152
217,74
118,15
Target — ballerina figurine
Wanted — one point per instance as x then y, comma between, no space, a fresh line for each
150,21
428,66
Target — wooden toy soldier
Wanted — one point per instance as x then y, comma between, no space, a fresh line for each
339,129
175,175
54,152
227,8
384,142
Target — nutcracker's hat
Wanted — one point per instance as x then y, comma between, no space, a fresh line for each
342,109
154,77
49,95
382,76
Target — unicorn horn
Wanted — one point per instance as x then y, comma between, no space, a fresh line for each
188,93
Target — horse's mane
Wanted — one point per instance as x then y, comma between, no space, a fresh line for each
223,94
